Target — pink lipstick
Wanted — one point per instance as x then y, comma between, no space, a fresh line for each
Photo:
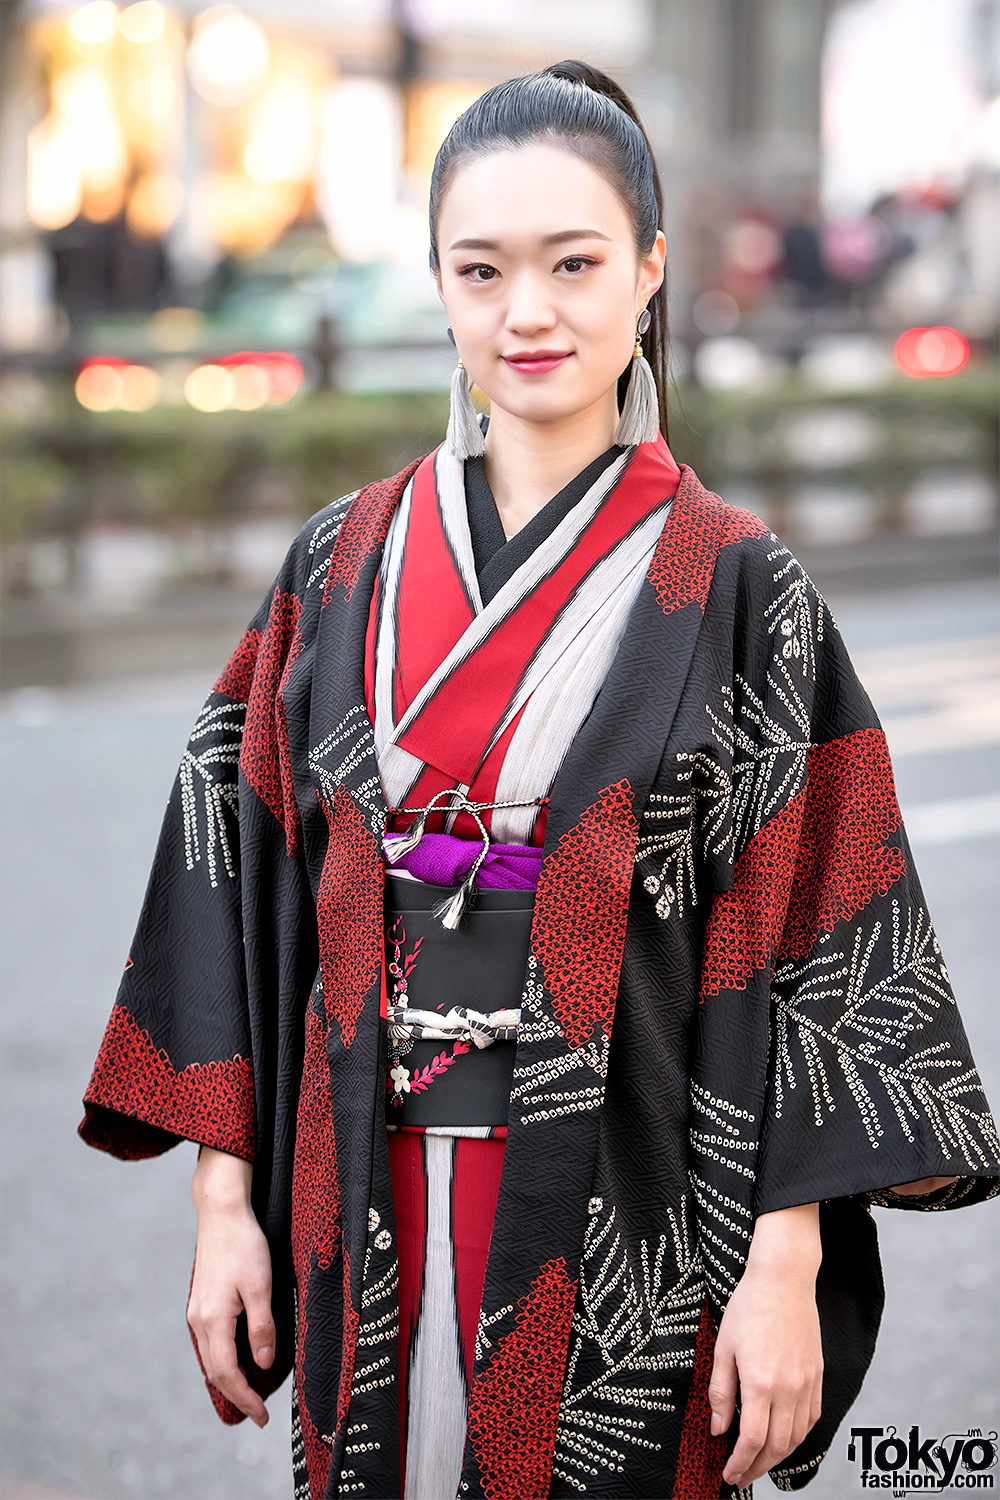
535,361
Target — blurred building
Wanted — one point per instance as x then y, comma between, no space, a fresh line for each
732,92
216,308
151,150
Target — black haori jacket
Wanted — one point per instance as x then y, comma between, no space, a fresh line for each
734,1002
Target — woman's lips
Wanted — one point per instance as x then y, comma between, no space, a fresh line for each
535,364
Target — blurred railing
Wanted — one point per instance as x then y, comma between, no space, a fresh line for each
140,540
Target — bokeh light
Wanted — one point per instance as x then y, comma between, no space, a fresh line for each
154,204
140,388
923,353
94,25
99,384
245,381
209,388
715,313
55,182
752,248
729,364
153,95
283,145
229,56
112,384
281,373
143,22
81,97
242,215
251,387
176,329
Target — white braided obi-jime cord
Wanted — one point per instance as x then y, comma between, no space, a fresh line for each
451,910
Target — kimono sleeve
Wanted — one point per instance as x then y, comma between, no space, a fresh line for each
871,1080
225,945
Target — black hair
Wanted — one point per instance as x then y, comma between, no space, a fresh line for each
582,108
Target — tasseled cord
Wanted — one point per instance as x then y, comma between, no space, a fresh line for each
451,910
464,437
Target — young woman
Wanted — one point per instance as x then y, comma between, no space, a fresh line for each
533,944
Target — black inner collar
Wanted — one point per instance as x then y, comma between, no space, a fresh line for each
497,557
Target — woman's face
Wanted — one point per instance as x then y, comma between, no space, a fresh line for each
538,271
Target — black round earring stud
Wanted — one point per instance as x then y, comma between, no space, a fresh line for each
645,318
451,333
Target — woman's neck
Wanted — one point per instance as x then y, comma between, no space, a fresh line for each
527,463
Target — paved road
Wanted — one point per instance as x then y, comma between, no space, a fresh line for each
102,1397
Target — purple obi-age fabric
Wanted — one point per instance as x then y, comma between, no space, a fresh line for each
445,859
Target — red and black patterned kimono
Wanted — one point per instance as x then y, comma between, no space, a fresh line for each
731,1000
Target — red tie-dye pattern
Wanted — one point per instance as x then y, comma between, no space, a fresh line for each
581,909
514,1403
349,909
701,1457
352,1321
315,1231
843,860
208,1102
819,861
236,676
364,528
698,525
264,755
746,922
315,1183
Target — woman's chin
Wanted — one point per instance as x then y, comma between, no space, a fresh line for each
533,407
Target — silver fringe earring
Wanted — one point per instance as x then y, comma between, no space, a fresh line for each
640,417
464,437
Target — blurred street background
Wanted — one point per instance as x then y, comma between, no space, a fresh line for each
216,315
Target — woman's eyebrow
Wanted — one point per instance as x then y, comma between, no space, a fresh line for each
547,239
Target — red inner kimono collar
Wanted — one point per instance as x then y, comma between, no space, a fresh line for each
456,723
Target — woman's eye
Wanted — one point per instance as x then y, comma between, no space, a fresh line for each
490,272
575,263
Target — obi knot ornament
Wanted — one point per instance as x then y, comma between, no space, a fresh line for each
640,416
449,911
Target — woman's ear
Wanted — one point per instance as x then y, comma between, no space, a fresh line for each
651,268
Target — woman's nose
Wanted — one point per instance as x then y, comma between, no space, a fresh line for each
529,309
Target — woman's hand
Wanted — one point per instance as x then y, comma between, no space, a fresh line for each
232,1273
769,1342
923,1185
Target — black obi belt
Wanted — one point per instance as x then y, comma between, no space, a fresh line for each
454,998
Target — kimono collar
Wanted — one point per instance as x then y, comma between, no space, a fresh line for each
462,668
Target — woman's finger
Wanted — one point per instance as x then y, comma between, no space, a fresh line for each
777,1444
755,1417
232,1382
225,1371
722,1387
256,1294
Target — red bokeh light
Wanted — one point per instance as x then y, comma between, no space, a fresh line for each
109,361
284,372
925,352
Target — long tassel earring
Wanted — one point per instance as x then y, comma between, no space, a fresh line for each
464,437
640,417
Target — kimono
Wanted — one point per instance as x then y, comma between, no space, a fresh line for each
733,1000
